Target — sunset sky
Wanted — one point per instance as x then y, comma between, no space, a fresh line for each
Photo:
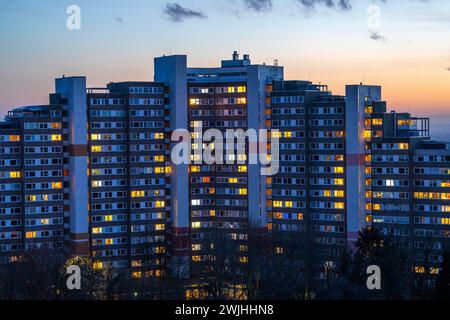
409,54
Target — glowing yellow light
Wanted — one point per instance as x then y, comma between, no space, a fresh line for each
31,235
15,174
56,137
56,185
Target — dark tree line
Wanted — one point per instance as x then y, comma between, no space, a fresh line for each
288,267
269,267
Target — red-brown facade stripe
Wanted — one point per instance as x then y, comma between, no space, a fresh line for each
78,150
79,236
79,248
356,159
181,241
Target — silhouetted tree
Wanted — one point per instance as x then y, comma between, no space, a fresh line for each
443,281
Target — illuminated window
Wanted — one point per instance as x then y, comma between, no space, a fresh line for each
15,174
369,110
31,235
97,230
14,138
243,259
109,242
56,185
403,146
390,183
241,100
137,194
403,122
434,270
196,225
197,124
195,158
339,170
195,168
242,157
277,215
377,122
232,180
339,193
160,204
367,134
338,182
242,89
56,137
98,265
242,169
243,192
109,218
96,184
276,134
194,102
419,269
96,149
339,205
45,222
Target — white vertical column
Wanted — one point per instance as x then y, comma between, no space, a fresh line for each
172,71
74,90
257,79
355,183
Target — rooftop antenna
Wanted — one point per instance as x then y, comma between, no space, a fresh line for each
275,62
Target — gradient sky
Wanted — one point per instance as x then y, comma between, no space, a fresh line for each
119,38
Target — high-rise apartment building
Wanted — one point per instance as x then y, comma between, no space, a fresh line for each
308,194
34,185
92,171
227,200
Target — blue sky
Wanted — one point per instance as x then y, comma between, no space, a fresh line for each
119,38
